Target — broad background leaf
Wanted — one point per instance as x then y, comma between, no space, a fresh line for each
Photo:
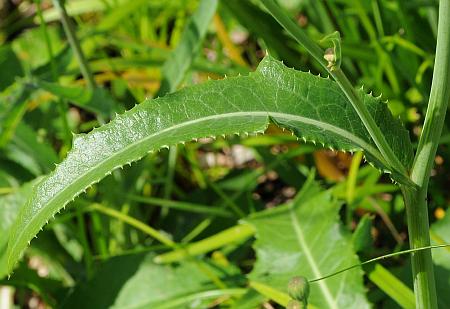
312,107
134,281
305,238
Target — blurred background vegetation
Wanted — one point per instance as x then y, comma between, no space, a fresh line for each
142,49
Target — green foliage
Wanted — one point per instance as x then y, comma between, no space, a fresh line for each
392,286
228,217
304,237
14,105
11,204
439,233
362,239
10,64
300,102
181,58
134,281
98,101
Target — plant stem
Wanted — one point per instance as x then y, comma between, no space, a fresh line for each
438,101
351,186
354,97
235,234
87,253
416,201
75,44
62,106
418,232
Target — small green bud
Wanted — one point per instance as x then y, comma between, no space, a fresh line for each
295,304
298,288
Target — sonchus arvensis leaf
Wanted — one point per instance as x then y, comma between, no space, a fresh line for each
304,238
312,107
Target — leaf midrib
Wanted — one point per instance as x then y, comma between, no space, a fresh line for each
311,261
276,115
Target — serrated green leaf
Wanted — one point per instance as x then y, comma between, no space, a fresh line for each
312,107
304,238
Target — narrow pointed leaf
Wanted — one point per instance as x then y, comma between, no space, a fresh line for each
13,105
392,286
10,64
181,58
312,107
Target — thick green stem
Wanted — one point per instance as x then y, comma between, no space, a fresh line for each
415,197
416,202
438,102
75,44
422,263
316,51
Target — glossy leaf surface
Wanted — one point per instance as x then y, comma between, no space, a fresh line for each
312,107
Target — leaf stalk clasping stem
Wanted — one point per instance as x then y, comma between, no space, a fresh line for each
415,187
416,200
353,96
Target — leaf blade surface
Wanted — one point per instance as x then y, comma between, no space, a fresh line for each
304,238
313,108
